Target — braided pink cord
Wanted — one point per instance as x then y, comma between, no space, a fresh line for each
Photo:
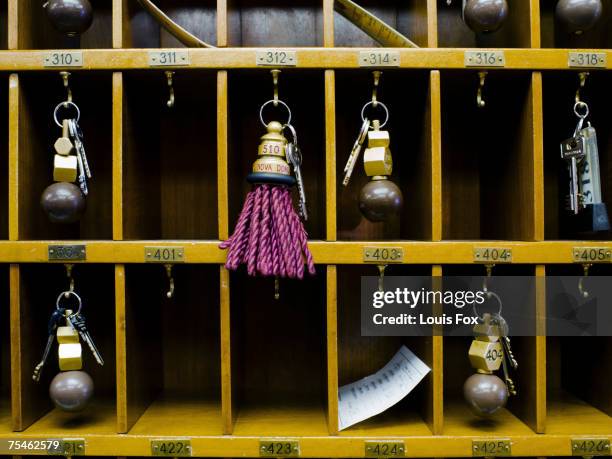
282,228
303,241
251,256
264,262
238,241
295,227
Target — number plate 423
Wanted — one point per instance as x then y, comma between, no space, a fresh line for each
279,448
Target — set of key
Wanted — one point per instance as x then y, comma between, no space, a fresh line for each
356,151
75,320
294,156
69,168
509,361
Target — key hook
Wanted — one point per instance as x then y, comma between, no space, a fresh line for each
275,73
485,281
582,77
480,102
276,288
581,289
376,74
70,280
66,80
170,80
170,292
381,277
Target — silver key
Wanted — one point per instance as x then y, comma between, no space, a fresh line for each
508,355
294,156
77,135
354,156
572,150
78,322
54,321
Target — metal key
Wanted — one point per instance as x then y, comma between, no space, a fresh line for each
354,156
78,147
508,355
77,135
56,317
294,156
572,150
77,320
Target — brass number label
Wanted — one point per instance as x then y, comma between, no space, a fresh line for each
383,255
591,255
69,448
164,254
485,59
587,60
491,448
67,253
276,58
169,58
171,448
63,59
492,254
277,448
590,446
379,59
385,449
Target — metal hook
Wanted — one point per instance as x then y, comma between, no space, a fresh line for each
275,73
582,76
377,74
381,277
276,288
480,102
66,79
170,79
70,279
170,292
485,281
581,289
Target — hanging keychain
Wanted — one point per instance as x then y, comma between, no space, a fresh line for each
380,199
269,237
485,392
72,388
63,201
71,17
587,213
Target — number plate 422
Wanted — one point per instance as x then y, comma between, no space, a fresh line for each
171,448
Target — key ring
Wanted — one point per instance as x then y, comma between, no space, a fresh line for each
489,295
581,105
272,101
67,295
66,104
378,104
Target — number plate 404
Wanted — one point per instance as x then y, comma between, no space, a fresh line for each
171,448
279,448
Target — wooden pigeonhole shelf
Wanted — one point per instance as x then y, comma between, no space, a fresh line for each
223,363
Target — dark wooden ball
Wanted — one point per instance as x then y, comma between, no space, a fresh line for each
63,202
71,390
578,15
380,200
72,17
485,394
485,15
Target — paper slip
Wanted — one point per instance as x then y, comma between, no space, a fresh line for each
376,393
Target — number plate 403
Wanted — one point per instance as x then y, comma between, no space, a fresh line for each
279,448
383,255
171,448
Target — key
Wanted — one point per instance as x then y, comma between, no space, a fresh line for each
572,150
508,355
78,322
77,135
56,317
355,152
294,156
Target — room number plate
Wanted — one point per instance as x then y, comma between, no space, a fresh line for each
385,449
383,255
491,448
492,255
171,447
276,58
63,59
69,448
484,59
168,58
164,254
279,448
67,253
379,59
587,60
592,255
590,447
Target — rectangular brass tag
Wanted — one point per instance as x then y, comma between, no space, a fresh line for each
491,448
385,449
69,447
276,58
383,255
279,448
164,254
63,59
492,255
67,252
376,58
591,255
484,59
577,59
590,447
169,58
176,447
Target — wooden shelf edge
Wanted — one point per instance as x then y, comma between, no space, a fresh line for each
322,58
324,252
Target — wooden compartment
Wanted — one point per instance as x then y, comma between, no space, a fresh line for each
303,92
4,164
488,157
555,35
410,133
5,352
36,32
576,365
278,356
519,415
39,288
454,33
360,356
140,30
408,18
172,351
559,123
40,94
254,23
170,157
